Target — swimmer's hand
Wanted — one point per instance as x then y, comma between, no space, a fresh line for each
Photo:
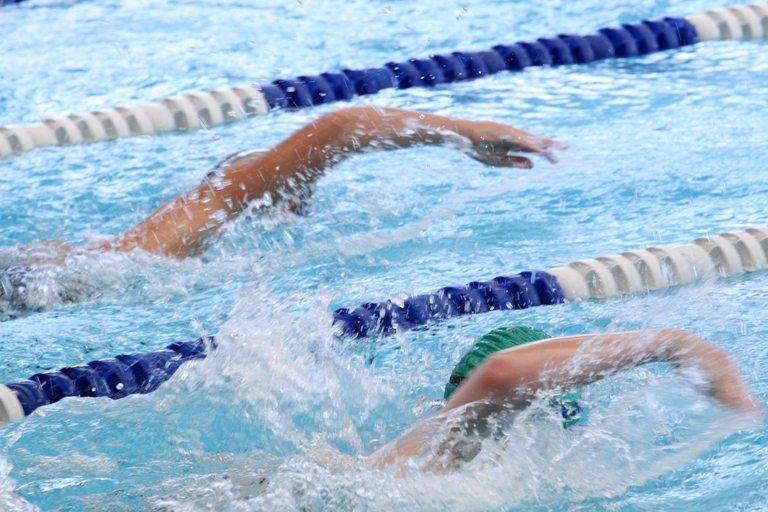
499,145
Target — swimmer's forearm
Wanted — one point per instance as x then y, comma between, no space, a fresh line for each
675,346
390,128
727,386
335,136
597,356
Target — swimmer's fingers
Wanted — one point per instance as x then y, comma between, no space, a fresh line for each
530,143
520,162
489,138
481,133
502,153
501,158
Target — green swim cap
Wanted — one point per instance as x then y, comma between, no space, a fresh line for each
498,339
502,339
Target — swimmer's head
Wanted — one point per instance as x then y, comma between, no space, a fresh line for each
228,160
502,339
484,346
249,154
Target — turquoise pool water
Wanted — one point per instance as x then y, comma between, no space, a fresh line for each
663,148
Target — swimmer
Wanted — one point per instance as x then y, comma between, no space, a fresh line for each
183,226
508,368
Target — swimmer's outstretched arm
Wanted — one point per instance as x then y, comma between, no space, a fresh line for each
515,376
179,228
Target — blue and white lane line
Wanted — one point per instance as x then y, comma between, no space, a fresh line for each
207,109
637,271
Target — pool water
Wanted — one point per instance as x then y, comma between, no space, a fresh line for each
663,148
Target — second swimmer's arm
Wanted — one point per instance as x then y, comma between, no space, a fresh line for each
179,227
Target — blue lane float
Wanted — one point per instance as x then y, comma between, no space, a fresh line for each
206,109
637,271
629,40
605,276
115,378
520,291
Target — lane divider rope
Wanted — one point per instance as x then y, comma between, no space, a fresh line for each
206,109
653,268
638,271
117,377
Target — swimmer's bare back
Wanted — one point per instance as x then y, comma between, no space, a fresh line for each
514,377
180,227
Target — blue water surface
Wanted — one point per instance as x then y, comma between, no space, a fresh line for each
663,148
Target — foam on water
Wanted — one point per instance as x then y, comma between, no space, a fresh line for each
631,438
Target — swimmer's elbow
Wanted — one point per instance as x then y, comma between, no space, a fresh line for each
681,338
345,116
674,333
341,124
681,345
676,338
359,115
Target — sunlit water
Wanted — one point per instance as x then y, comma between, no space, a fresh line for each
662,149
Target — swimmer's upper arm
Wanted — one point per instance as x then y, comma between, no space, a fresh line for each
582,359
179,227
